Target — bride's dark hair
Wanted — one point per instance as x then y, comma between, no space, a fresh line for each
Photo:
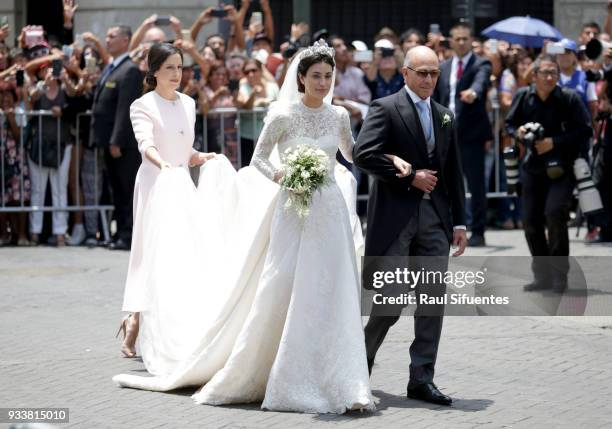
158,54
309,61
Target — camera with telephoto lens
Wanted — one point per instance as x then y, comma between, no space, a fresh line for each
534,132
596,51
588,195
511,162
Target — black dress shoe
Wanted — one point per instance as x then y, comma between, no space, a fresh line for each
536,285
119,244
428,392
476,240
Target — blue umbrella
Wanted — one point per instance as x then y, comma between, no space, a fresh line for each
523,30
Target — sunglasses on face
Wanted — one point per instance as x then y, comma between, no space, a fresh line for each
424,73
249,71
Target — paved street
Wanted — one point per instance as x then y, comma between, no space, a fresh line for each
59,312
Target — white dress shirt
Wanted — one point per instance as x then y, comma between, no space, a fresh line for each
117,60
416,99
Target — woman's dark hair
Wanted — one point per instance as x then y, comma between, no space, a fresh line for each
257,63
158,54
216,67
513,61
406,35
309,61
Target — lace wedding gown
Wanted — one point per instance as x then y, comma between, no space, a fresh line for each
280,314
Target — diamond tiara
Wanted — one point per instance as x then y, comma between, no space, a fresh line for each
320,47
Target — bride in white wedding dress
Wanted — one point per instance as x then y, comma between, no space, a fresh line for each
272,314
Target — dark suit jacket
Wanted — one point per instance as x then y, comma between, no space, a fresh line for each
473,124
111,106
393,127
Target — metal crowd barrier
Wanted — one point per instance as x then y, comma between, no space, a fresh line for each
22,118
225,114
205,122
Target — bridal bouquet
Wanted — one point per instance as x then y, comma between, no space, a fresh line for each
306,169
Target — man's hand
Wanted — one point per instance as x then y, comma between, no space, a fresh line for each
90,38
205,17
115,151
425,180
459,241
468,96
544,145
175,23
232,13
520,133
185,44
150,21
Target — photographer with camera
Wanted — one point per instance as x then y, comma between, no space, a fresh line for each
383,76
553,124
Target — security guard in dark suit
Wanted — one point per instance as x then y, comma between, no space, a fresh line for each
120,84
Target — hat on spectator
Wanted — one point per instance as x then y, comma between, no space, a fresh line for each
569,45
38,51
384,44
359,45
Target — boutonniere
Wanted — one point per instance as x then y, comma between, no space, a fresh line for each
446,119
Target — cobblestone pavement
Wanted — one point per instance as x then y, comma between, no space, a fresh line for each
60,308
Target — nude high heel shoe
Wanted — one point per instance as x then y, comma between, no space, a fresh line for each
128,348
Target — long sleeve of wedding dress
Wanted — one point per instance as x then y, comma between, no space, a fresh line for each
346,137
271,134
